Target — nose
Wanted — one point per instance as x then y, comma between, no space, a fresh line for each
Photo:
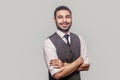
64,19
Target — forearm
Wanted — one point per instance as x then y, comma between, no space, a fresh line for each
68,69
84,67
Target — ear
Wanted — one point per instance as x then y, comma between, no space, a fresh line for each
53,19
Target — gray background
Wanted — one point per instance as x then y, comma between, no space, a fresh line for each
25,24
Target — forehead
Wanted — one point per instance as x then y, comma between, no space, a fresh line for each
62,12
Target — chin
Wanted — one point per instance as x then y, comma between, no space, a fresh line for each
65,27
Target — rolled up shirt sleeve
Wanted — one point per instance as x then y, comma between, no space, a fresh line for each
84,53
49,54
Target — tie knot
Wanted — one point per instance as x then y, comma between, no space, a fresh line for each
66,36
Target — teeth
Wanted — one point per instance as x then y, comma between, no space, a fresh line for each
65,23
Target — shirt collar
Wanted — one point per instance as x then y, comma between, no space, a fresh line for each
61,34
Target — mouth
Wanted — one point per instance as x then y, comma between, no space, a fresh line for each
64,24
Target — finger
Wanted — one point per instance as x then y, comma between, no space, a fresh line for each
57,67
53,64
54,60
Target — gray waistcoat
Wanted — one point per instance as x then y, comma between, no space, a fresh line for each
66,53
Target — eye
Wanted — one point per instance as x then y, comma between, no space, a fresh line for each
68,16
60,16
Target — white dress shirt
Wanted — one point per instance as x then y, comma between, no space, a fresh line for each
50,51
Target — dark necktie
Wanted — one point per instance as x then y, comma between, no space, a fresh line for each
66,37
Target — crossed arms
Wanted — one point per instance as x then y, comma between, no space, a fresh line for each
59,69
66,69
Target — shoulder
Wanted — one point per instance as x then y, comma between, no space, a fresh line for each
52,35
47,40
81,37
48,45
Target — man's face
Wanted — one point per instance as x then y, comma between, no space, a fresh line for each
63,20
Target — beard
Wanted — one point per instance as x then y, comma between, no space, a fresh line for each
63,30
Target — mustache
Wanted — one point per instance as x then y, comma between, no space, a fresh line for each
64,23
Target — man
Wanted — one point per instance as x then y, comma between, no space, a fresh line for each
65,52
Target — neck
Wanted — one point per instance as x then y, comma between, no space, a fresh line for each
65,32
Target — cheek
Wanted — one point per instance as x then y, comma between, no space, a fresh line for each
59,21
69,20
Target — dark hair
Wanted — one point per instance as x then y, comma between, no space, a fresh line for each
61,8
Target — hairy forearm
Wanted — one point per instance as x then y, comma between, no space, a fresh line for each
68,69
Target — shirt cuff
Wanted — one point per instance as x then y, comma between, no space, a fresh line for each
53,71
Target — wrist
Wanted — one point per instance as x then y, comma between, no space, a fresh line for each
65,63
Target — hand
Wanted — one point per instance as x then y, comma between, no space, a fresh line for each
84,67
57,63
81,60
